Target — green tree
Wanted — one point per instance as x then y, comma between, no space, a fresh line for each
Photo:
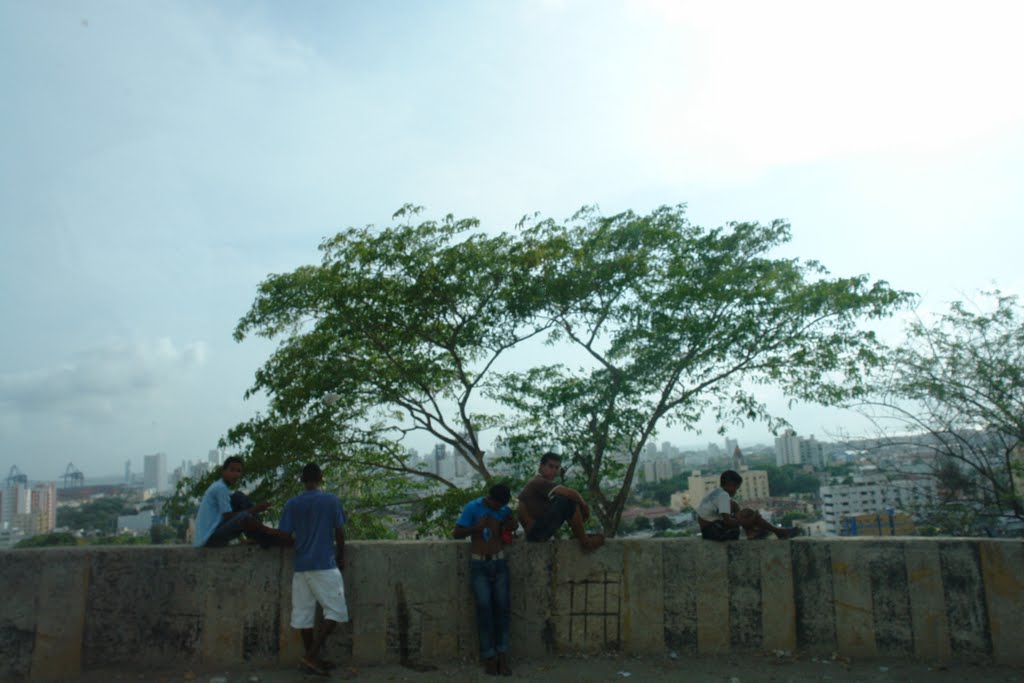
395,332
661,491
662,523
676,322
956,387
47,540
790,479
642,523
403,330
161,534
99,515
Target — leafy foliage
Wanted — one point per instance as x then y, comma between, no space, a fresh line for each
959,381
676,322
790,479
99,515
60,538
405,329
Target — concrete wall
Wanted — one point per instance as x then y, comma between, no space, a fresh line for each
80,609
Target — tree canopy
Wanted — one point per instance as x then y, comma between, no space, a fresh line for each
585,336
955,389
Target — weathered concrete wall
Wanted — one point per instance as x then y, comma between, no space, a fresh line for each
70,610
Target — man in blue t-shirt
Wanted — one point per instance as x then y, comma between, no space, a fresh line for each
316,519
223,515
489,522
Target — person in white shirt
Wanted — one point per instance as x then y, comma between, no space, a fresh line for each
721,518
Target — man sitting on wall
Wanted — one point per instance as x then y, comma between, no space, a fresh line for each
223,515
721,518
544,506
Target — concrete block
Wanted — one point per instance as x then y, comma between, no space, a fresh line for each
894,629
851,588
430,592
812,594
643,593
778,608
1002,569
745,600
965,599
145,604
682,578
713,598
19,573
534,578
60,619
929,623
372,600
221,636
577,575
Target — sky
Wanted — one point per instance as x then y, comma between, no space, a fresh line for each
158,160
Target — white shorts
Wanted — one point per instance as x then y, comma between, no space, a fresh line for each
324,586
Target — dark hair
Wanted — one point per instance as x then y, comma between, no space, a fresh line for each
500,493
311,473
730,477
549,456
228,461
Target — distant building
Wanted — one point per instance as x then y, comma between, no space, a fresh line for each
14,500
873,494
737,459
888,523
43,501
142,521
680,500
657,470
791,449
154,472
754,486
787,449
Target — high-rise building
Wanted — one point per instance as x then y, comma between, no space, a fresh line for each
15,501
154,472
754,486
215,457
787,449
127,471
812,452
43,501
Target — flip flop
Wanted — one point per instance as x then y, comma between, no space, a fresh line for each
309,667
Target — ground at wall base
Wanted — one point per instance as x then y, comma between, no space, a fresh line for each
780,668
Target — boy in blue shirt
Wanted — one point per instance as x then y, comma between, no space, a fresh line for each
316,519
223,515
488,521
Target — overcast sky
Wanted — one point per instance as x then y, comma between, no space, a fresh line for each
159,159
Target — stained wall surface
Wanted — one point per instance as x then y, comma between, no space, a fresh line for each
939,600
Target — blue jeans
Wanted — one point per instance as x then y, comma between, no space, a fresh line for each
489,580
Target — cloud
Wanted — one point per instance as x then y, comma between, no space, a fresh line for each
97,381
768,86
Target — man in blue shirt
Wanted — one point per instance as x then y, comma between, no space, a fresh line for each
224,515
317,520
489,523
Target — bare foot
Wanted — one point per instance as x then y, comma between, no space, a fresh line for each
592,542
788,532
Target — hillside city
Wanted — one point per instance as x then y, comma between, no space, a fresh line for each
853,488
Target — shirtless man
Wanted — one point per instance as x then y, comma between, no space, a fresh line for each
488,521
545,505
